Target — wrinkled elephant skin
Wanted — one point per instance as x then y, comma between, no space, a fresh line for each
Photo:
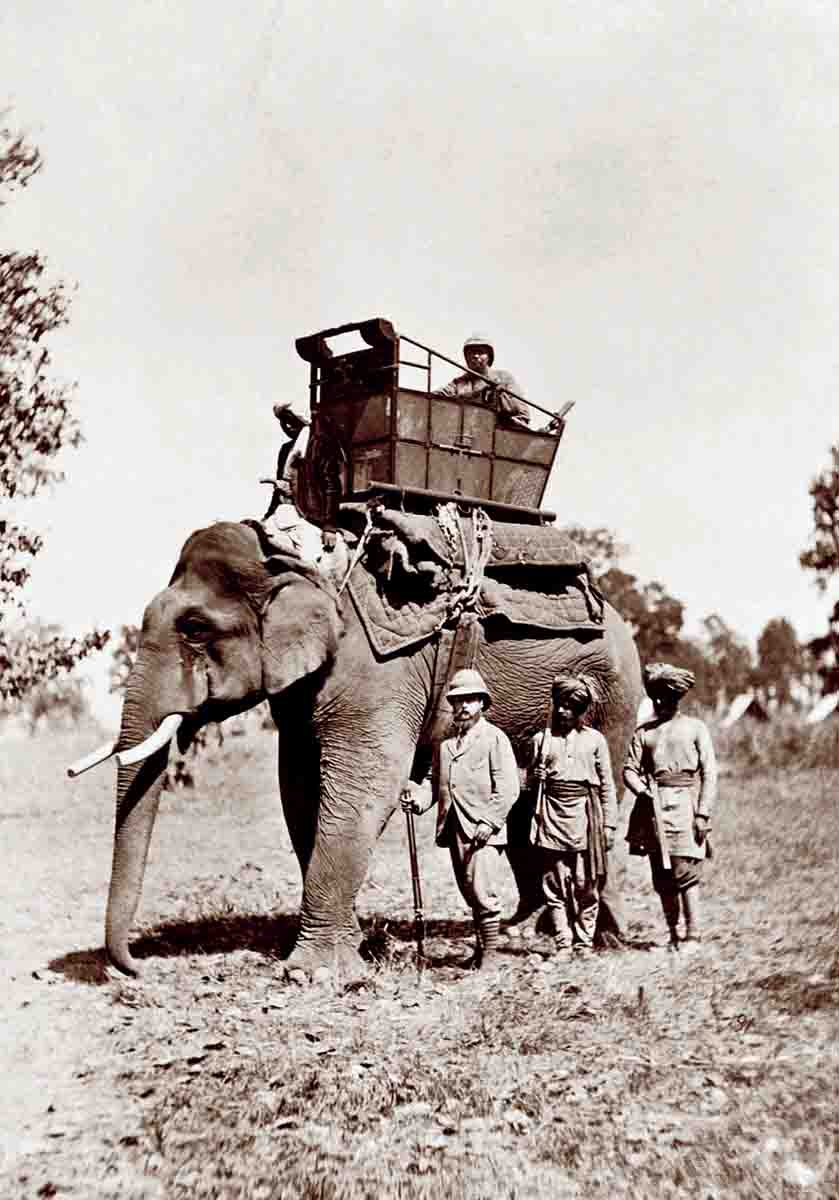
225,634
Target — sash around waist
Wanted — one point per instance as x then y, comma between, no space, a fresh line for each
567,789
674,779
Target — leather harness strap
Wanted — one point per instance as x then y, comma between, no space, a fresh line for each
455,648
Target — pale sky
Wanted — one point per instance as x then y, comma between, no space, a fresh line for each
637,199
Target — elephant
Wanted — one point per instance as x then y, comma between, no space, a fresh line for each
231,630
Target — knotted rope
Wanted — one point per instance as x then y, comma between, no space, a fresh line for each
476,551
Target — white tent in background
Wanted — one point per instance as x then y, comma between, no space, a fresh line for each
823,709
738,706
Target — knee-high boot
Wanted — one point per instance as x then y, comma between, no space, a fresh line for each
693,914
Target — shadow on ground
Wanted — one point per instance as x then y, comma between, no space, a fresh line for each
272,935
797,992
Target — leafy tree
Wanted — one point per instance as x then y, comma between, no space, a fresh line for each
720,659
600,547
729,658
123,654
822,556
656,618
36,423
779,660
53,700
824,653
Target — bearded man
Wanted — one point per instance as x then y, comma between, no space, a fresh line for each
474,782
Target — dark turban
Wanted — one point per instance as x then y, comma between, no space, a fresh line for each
661,677
573,689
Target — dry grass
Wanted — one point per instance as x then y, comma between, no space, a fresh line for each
640,1074
784,742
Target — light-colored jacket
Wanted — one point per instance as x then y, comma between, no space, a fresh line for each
468,386
477,779
662,752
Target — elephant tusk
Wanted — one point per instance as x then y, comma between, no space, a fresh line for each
161,737
92,760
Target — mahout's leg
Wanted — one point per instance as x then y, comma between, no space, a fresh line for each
692,904
556,883
665,884
688,872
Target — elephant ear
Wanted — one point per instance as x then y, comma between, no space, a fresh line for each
301,626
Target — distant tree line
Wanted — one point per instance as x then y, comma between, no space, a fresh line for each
723,662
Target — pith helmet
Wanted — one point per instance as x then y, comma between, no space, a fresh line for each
469,683
480,339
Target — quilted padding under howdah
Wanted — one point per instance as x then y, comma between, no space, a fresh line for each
512,545
535,578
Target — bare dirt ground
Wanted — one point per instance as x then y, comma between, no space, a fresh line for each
635,1074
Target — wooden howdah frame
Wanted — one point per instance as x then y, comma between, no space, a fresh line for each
370,435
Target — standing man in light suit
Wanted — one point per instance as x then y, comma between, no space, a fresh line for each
474,783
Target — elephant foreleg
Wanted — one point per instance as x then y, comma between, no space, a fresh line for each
356,797
298,772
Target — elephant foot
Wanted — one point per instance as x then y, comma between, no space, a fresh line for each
340,962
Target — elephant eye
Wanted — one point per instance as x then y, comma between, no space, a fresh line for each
194,629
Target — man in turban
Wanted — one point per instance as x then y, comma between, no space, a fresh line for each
288,530
575,815
673,753
474,782
292,452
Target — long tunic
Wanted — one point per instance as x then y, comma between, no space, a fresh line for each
475,779
676,756
578,769
469,386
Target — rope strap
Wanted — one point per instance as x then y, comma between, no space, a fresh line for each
476,551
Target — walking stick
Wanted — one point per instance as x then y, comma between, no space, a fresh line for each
419,919
544,746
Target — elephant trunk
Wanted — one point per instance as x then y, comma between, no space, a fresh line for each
137,798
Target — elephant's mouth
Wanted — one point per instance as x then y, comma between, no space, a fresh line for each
212,712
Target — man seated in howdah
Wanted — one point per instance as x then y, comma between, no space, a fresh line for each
493,383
